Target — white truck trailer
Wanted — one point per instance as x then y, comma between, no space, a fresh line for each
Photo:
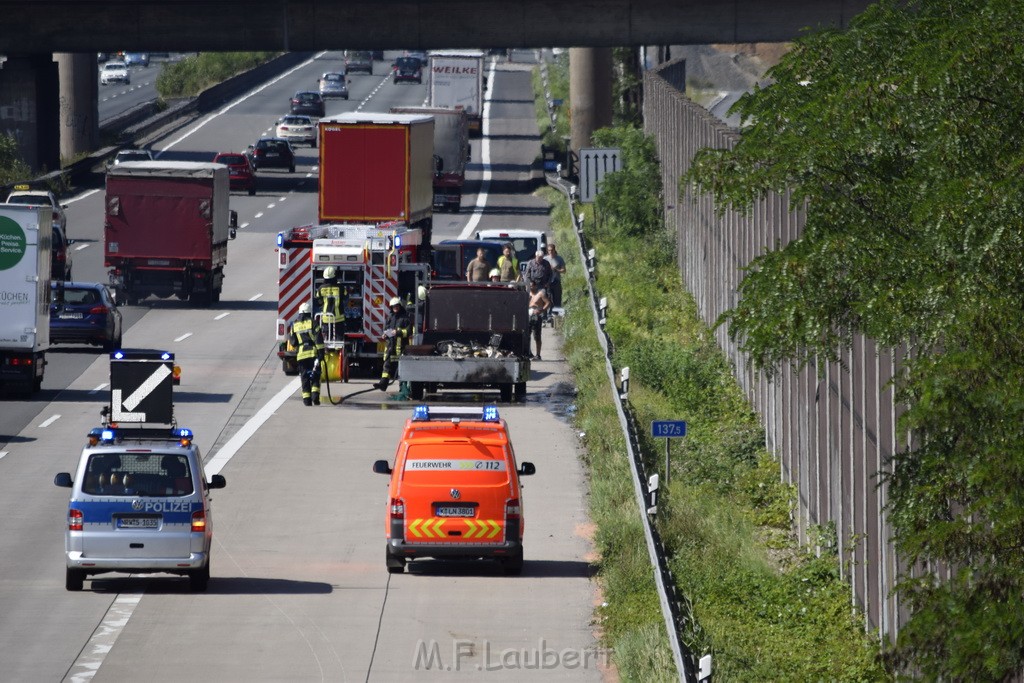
25,244
457,80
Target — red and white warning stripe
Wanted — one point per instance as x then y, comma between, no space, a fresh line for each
292,285
378,289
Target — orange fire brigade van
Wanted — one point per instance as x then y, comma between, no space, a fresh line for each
455,489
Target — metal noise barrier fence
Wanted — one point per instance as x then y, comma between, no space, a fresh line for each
832,429
675,610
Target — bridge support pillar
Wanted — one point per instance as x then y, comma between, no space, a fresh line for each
29,108
590,92
79,102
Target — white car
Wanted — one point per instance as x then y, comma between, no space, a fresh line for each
22,194
296,128
114,72
525,243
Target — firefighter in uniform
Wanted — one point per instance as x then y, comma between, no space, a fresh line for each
331,295
397,327
308,341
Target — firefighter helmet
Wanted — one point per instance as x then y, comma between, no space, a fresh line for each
306,308
395,301
330,272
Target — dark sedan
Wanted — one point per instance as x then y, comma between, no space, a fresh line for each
309,103
408,69
84,313
272,153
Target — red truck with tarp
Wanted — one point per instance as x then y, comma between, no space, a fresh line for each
166,230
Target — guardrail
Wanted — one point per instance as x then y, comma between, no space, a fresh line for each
676,609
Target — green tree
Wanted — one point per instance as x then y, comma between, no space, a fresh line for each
630,200
903,137
12,167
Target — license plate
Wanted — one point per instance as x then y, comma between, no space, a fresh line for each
70,316
439,199
137,523
454,511
271,154
159,262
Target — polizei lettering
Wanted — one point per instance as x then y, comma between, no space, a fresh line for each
455,70
167,506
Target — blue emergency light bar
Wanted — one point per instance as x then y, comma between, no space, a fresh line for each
398,241
110,435
280,239
423,413
142,354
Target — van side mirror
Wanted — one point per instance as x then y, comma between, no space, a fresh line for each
63,479
526,469
217,481
233,223
381,467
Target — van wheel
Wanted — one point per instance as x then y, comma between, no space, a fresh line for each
395,565
74,580
513,566
199,579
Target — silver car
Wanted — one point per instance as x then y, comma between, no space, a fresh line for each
140,503
114,72
333,84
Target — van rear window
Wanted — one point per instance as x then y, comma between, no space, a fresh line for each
137,474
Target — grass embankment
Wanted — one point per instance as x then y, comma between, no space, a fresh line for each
766,609
195,73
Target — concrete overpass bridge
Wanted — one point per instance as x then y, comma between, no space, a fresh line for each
44,103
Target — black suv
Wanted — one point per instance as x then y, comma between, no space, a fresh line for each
272,153
309,103
408,69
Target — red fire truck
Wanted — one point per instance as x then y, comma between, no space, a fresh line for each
373,262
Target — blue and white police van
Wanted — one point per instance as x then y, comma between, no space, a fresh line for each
140,500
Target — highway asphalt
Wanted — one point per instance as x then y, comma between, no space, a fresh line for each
299,589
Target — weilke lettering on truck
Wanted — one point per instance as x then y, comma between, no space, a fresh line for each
167,229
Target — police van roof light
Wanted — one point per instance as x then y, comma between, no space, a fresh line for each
94,435
107,435
119,355
490,413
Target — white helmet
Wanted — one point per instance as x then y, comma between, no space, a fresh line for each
494,273
395,301
306,308
330,272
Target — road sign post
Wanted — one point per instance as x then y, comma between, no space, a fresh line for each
668,430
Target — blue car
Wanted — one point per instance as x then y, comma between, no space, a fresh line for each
136,59
84,313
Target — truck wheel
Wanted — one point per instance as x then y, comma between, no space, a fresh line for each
215,297
506,393
520,391
292,169
252,190
346,368
74,579
416,390
431,387
201,299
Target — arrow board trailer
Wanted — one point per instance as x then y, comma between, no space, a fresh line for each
25,239
142,387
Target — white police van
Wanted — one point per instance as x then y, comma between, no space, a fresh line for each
140,500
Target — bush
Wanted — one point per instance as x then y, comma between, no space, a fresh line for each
12,167
192,75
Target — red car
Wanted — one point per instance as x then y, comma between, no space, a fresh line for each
240,170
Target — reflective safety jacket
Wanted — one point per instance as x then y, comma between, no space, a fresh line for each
307,338
509,268
330,297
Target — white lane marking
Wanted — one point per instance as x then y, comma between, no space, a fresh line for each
224,455
244,225
485,159
49,421
183,337
281,199
259,215
80,247
88,193
3,453
99,388
104,637
241,99
255,296
271,206
369,97
223,315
